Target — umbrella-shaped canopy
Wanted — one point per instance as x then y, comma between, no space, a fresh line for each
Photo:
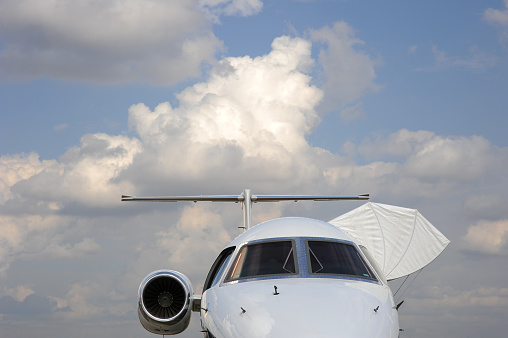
401,240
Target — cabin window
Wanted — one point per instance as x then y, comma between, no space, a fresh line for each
336,258
264,259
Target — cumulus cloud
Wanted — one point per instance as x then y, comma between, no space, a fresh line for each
196,226
250,118
399,144
245,126
106,41
429,156
463,158
34,192
497,16
81,249
78,300
19,167
20,292
488,237
85,174
349,72
40,237
251,114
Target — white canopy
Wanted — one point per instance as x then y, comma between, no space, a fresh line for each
401,240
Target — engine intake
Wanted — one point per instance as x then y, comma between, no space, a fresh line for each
164,302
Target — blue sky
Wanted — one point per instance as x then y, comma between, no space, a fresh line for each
403,99
416,93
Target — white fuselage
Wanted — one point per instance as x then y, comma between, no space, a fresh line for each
305,301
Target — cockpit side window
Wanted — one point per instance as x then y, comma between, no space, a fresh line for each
218,268
264,259
336,258
373,263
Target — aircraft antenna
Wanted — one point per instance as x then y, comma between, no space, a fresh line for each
405,279
407,288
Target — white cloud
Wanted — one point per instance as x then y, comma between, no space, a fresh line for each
231,7
20,292
489,237
250,112
349,72
34,192
497,16
430,156
197,227
17,168
453,158
251,116
61,126
352,112
78,300
71,251
478,60
85,174
24,235
245,126
400,144
110,41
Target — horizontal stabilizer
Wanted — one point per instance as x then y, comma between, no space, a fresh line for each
246,198
206,198
241,198
277,198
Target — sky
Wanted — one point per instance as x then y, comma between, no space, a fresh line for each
405,100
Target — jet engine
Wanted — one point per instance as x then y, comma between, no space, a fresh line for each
164,302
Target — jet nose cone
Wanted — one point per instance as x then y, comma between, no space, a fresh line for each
306,308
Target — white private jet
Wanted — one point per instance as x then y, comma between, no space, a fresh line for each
297,277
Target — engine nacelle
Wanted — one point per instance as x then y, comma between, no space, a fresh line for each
164,302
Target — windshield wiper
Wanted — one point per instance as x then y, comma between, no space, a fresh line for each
287,261
317,260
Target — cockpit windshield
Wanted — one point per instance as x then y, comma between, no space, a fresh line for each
335,258
263,259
